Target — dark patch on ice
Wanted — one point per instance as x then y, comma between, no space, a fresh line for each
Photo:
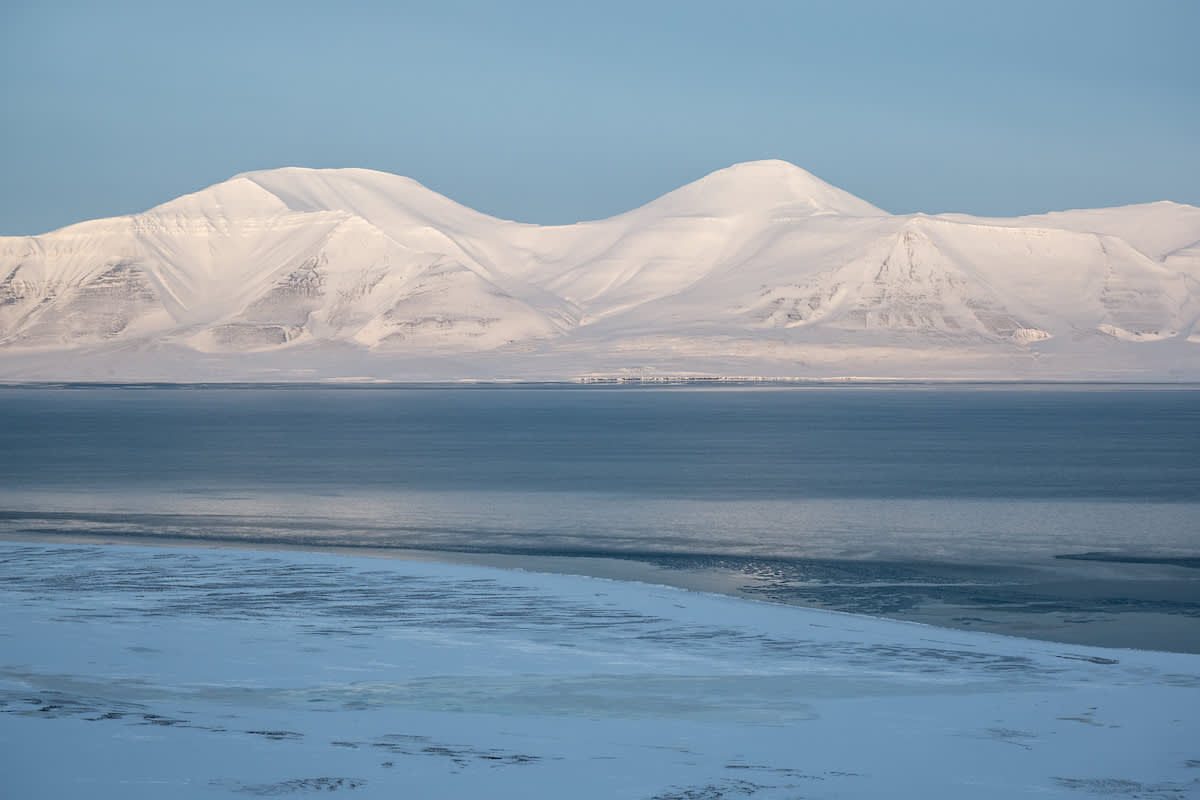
1090,659
292,786
278,736
1021,739
55,705
51,704
166,722
1086,717
1084,720
459,755
1187,562
712,791
789,772
1123,787
1186,681
405,737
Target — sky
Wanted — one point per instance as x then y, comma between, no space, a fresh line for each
554,112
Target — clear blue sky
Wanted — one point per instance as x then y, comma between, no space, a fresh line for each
558,111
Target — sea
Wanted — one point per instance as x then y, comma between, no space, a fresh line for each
1066,512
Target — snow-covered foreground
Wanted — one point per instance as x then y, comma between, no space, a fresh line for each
138,672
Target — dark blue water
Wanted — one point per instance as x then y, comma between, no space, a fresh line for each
953,505
715,445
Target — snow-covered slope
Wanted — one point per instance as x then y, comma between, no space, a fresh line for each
757,269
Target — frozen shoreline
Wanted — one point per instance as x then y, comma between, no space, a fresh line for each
1081,621
134,671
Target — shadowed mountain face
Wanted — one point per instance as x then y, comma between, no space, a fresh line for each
760,269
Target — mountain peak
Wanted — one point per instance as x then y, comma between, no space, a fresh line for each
236,197
772,185
768,168
371,194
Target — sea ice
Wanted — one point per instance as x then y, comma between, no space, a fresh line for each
130,672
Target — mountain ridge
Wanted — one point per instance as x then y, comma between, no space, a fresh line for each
758,268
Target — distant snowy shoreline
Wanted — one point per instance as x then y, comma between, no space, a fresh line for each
663,381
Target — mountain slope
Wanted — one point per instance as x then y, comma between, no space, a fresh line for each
760,268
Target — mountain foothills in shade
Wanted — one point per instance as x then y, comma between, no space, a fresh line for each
757,270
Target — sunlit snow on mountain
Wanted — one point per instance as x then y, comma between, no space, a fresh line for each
760,269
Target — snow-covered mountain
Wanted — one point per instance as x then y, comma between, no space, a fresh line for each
760,269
